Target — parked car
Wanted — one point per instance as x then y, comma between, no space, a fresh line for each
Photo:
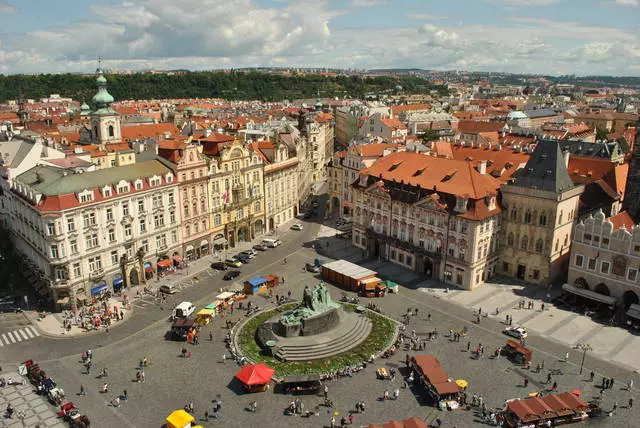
260,247
248,253
297,226
168,289
7,308
242,258
517,332
219,266
312,268
231,275
233,262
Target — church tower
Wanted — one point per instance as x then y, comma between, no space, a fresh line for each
105,122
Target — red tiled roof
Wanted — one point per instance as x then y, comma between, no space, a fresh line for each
134,132
392,122
476,126
117,147
409,107
497,160
375,149
443,149
622,219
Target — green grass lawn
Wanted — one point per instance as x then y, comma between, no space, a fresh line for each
382,333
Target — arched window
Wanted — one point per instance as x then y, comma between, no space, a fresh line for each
95,131
543,219
619,266
524,243
557,244
560,217
514,213
111,131
566,240
510,240
539,245
527,217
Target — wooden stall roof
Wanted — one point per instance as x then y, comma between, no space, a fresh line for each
432,370
546,407
349,269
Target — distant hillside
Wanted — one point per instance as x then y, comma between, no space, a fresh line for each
229,85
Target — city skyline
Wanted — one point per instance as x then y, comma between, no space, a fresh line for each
519,36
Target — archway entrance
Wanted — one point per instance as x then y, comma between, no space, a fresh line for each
272,224
258,228
581,283
630,298
335,204
295,211
428,267
243,234
602,289
232,239
134,277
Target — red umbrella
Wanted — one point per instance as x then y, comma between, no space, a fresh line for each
258,374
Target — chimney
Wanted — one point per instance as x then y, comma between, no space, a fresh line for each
482,167
566,158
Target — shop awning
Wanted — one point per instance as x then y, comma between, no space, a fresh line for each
258,374
634,311
204,243
206,312
188,248
63,300
177,259
148,267
118,280
224,296
99,289
588,294
166,263
220,241
179,419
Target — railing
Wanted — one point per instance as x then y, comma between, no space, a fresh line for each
405,245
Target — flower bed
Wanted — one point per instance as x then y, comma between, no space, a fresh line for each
380,338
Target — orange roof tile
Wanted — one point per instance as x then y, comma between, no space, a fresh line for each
409,107
375,149
135,132
622,219
476,126
392,122
500,163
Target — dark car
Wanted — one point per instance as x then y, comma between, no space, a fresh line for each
219,266
243,258
260,247
231,275
312,268
308,215
6,308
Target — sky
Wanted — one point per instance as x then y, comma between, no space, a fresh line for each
582,37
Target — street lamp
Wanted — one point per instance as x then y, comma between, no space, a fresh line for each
584,347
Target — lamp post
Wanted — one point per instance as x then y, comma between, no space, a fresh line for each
584,347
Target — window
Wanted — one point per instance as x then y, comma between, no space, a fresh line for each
452,251
505,267
144,246
256,207
510,240
158,220
619,265
111,131
76,270
393,254
156,201
161,241
171,200
154,182
89,219
579,260
51,229
463,227
560,217
604,267
187,230
536,274
174,236
632,274
539,245
401,257
524,244
95,263
566,240
195,228
112,235
127,231
217,219
109,214
92,241
514,214
125,209
123,189
592,264
605,241
202,205
53,250
87,197
172,217
73,244
240,214
636,248
543,219
186,209
141,205
114,257
527,217
71,225
409,260
143,225
204,225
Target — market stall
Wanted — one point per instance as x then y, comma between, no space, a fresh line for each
548,410
516,351
392,287
301,384
181,419
224,299
184,329
346,274
255,285
272,280
430,373
255,377
204,316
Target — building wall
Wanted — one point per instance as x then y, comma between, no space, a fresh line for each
606,261
281,191
346,126
544,220
100,125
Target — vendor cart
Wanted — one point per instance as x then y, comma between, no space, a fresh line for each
225,299
204,316
517,352
301,384
181,329
383,373
56,396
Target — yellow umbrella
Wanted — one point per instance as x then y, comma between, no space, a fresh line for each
462,383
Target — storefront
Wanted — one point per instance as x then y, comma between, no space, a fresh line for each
178,262
219,242
99,289
204,248
189,253
164,266
118,283
81,297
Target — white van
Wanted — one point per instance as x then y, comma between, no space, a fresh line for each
271,242
183,310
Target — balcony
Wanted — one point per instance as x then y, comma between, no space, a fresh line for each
401,244
96,273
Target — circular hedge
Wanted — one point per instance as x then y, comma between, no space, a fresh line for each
381,337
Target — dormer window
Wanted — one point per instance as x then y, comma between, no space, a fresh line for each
169,178
138,184
155,181
106,191
491,203
85,196
123,187
461,204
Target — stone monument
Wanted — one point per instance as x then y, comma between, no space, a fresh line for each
316,313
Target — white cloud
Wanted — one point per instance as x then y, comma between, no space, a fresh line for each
526,3
367,3
635,3
7,8
426,17
207,34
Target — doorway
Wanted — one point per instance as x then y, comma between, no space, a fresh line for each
522,270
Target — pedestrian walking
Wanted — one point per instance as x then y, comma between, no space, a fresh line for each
428,317
210,336
611,383
566,357
333,419
630,402
82,391
526,382
326,392
591,376
615,406
542,307
396,394
224,358
468,346
554,387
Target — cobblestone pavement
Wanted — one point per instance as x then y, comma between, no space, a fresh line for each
23,398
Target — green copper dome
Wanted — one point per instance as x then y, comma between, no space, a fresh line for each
103,98
85,107
101,79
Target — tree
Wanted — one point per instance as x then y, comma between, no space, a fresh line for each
601,134
429,135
